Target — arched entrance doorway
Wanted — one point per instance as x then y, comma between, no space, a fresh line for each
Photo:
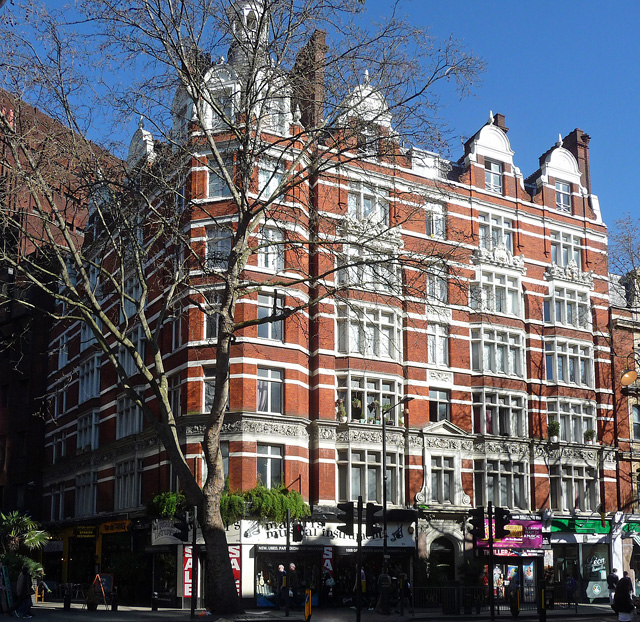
442,561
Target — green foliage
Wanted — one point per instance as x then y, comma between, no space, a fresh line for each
267,504
15,563
553,428
19,530
166,505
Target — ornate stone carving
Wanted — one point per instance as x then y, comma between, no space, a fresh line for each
466,500
265,427
571,272
440,376
499,256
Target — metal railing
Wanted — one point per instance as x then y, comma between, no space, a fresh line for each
458,599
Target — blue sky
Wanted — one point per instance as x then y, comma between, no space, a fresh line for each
551,67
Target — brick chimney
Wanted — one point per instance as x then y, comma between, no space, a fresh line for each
498,119
308,79
577,142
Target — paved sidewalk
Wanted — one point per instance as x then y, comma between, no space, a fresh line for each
54,612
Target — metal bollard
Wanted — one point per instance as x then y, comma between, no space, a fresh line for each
154,602
67,600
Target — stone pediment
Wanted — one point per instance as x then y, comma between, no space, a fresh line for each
499,256
571,272
444,428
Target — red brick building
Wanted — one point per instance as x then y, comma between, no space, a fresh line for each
506,331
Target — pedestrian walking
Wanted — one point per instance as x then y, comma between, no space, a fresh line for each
612,582
24,590
622,600
294,584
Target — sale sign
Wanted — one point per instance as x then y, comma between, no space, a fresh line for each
187,573
234,557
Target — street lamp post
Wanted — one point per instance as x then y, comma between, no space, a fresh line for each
403,401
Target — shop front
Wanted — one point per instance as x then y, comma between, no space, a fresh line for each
582,558
518,561
325,561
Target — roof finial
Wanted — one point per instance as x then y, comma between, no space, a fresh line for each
366,76
296,115
491,117
559,143
140,123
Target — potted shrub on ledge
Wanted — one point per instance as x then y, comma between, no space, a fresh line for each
554,430
589,435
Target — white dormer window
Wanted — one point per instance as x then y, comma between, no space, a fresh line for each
493,176
368,203
563,196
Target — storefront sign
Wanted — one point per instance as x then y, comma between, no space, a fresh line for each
316,533
523,534
187,574
578,525
162,533
115,526
85,531
236,561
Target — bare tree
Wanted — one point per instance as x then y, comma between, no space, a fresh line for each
306,92
624,256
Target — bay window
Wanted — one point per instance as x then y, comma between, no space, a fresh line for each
503,482
370,331
368,398
498,412
575,418
496,351
495,231
368,203
574,487
569,363
360,473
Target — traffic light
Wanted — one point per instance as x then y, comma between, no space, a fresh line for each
373,518
346,518
502,519
476,518
181,524
298,532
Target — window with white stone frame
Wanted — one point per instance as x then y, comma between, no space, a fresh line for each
565,248
569,307
57,502
211,317
218,187
218,247
271,249
270,176
495,231
437,287
568,362
493,176
370,331
436,221
63,350
59,445
563,196
270,467
89,379
175,394
365,268
88,431
499,412
86,493
368,397
128,484
439,402
368,203
270,389
497,351
269,305
574,487
501,481
438,345
137,338
497,293
635,419
87,336
129,418
443,477
360,473
574,416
